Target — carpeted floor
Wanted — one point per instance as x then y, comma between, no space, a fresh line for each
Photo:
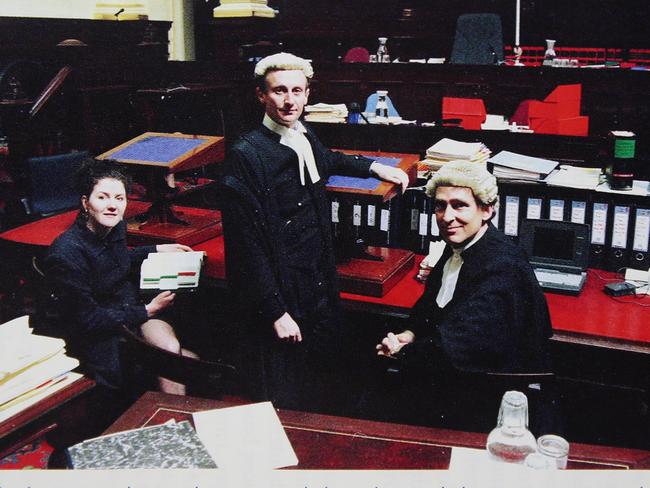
32,456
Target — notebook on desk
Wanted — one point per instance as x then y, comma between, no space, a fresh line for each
558,252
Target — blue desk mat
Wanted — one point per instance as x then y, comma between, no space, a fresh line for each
159,149
362,183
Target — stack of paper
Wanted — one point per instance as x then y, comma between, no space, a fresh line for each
29,363
513,166
575,177
237,8
446,150
171,270
325,112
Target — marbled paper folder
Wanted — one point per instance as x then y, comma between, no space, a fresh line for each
171,445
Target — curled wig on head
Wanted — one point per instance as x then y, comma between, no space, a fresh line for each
281,62
94,170
474,176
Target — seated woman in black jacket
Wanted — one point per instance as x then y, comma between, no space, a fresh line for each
89,267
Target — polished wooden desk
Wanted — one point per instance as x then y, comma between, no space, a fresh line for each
40,418
329,442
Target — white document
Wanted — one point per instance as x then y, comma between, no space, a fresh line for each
522,162
247,437
455,149
574,177
171,270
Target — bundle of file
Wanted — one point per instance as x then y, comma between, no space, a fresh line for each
507,165
175,271
325,112
446,150
31,366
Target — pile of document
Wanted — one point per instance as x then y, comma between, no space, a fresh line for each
31,366
325,112
446,150
228,438
171,270
513,166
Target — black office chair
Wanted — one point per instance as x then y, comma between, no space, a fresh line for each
143,360
52,183
478,40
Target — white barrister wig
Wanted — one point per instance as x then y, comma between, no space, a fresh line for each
283,62
474,176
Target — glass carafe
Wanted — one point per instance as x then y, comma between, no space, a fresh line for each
549,54
382,51
511,441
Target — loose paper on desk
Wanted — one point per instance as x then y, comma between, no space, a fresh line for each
574,177
478,460
523,166
639,187
245,437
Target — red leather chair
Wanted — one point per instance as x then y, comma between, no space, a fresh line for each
357,55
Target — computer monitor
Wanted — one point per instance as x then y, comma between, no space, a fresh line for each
563,246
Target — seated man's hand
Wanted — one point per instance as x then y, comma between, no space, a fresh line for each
175,247
388,173
287,329
392,343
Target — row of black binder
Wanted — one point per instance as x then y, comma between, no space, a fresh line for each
368,218
619,224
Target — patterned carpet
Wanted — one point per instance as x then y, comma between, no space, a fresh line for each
32,456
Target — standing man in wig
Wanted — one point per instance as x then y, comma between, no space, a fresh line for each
279,253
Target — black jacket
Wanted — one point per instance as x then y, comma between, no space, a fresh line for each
497,320
91,278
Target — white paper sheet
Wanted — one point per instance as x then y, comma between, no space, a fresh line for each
248,437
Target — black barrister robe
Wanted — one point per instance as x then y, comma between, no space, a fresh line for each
490,338
497,320
261,270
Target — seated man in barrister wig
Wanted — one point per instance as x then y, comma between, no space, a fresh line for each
482,325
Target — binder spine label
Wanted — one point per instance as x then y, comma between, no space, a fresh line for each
556,210
619,226
384,221
435,230
599,223
423,230
641,230
371,215
534,208
356,215
511,218
335,212
578,212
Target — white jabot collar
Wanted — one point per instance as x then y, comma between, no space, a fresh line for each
295,138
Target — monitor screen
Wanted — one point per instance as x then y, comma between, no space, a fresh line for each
553,243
